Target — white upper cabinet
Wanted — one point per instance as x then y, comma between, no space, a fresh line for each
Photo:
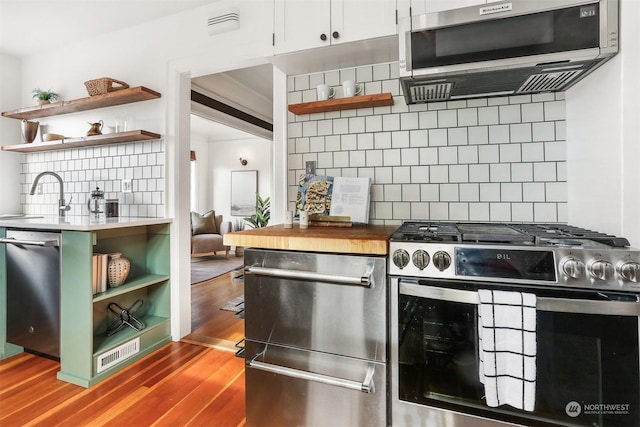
307,24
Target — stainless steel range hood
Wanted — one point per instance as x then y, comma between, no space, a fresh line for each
506,48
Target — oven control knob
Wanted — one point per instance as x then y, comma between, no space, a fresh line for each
441,260
572,267
629,271
600,269
420,259
401,258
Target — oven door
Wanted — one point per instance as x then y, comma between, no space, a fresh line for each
588,370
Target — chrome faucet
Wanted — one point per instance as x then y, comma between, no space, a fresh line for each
62,207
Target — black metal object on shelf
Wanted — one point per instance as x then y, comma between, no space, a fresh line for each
125,317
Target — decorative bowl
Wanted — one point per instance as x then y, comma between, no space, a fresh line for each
52,137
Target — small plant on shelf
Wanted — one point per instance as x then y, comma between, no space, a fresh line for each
45,96
263,213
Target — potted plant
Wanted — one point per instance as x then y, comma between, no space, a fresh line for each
44,96
259,219
263,213
238,225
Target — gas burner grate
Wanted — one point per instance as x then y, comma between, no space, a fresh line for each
503,233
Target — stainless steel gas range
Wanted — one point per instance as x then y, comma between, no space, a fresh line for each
513,323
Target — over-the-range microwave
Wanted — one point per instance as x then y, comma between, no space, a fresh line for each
505,48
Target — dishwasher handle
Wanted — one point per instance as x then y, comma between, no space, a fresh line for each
20,242
366,279
366,386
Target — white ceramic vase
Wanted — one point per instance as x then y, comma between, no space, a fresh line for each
118,269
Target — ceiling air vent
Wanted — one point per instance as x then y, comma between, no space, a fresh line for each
226,20
548,81
430,92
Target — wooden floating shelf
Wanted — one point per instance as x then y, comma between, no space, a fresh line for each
363,101
87,141
118,97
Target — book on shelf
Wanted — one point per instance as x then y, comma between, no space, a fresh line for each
99,275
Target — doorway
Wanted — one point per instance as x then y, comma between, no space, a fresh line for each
231,130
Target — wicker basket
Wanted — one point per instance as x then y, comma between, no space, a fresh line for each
104,85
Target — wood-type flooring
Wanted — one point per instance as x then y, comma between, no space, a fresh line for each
181,384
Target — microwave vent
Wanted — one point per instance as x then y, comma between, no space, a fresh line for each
548,81
431,92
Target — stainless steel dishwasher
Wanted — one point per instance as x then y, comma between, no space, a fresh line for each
316,339
33,290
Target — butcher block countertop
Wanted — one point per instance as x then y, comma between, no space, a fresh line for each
359,239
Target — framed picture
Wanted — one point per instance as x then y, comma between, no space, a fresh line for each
244,185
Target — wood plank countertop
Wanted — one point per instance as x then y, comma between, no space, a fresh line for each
359,239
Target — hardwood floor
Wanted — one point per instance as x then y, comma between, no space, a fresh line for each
209,324
182,384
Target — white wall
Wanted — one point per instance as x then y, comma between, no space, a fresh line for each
224,158
10,78
603,139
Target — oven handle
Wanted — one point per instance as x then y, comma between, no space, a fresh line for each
366,386
17,242
366,279
560,305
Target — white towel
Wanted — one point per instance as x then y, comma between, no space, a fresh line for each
507,347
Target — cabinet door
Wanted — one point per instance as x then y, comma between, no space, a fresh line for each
353,20
419,7
299,25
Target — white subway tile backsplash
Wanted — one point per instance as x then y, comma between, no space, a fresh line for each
500,212
457,136
392,157
478,135
428,119
448,155
402,175
545,212
533,152
458,173
373,123
400,139
84,169
447,118
429,192
510,153
520,132
554,110
544,172
499,134
439,174
543,131
411,192
488,154
468,117
497,159
510,114
479,173
437,137
410,156
419,138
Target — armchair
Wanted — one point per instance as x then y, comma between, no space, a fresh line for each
206,234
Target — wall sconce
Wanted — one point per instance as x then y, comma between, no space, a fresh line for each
243,162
